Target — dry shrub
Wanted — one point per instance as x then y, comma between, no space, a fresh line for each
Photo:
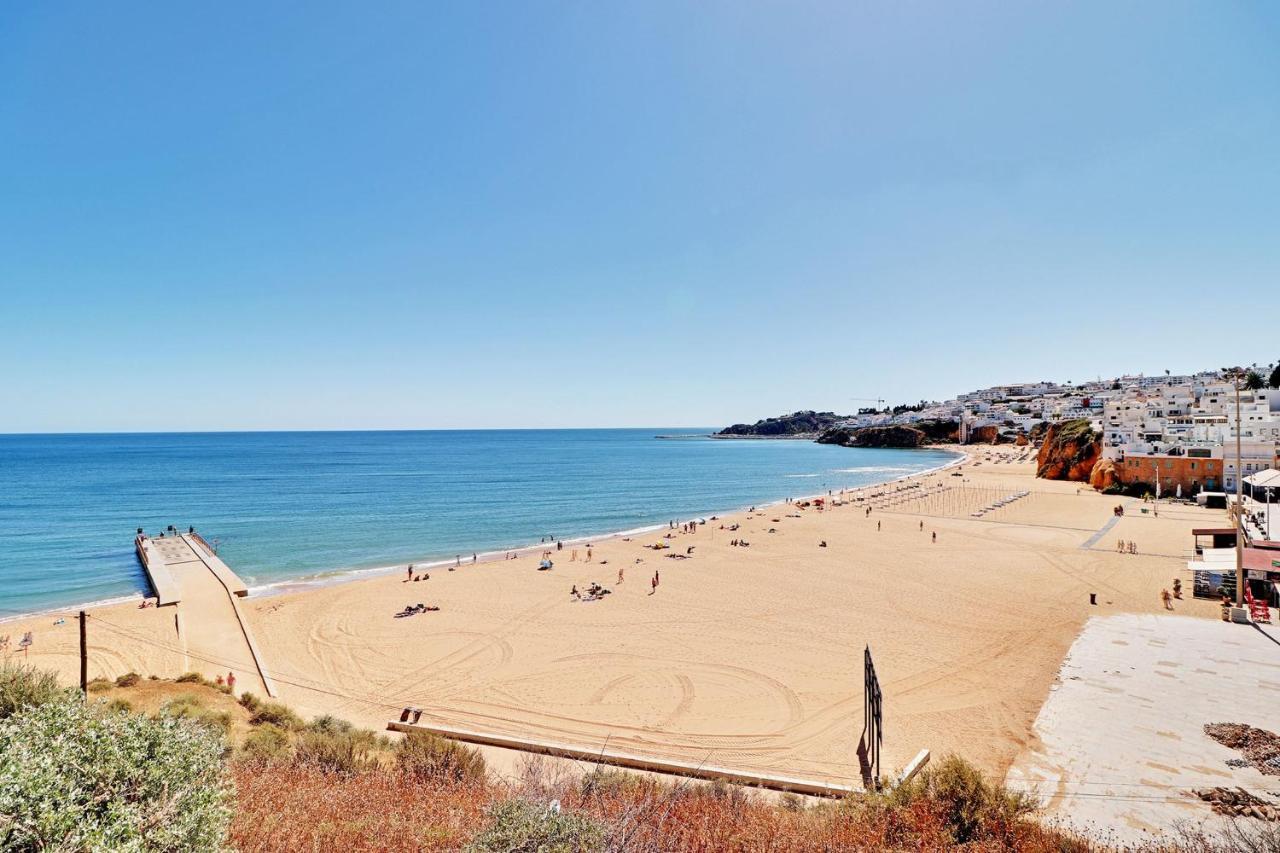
517,825
971,807
294,807
426,756
128,679
267,744
439,798
25,686
276,714
347,750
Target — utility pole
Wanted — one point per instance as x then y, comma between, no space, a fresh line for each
1239,502
84,656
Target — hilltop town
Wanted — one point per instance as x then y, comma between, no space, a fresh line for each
1171,433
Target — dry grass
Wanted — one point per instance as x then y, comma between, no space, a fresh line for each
293,807
289,807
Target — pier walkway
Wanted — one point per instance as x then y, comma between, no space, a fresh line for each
214,636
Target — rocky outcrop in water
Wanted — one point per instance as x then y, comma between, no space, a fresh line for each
1069,452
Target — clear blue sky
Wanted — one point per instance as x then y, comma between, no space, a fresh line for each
316,215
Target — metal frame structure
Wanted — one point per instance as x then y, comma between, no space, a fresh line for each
873,714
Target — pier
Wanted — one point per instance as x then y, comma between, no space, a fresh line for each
187,574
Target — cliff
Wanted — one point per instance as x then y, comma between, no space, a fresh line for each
879,436
1104,475
1069,452
918,435
796,423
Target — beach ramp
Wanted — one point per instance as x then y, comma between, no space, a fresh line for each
215,637
155,562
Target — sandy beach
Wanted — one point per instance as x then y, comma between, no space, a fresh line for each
744,657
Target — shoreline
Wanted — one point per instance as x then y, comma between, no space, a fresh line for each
339,576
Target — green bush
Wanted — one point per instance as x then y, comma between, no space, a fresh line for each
128,679
73,777
190,707
190,678
99,685
519,825
25,686
267,743
349,751
276,714
329,724
603,780
971,807
119,706
249,701
427,756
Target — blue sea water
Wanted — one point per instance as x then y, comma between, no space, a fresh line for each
289,505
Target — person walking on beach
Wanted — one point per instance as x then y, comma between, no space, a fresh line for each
935,537
877,527
588,554
921,526
473,559
1167,599
409,572
457,561
619,575
653,585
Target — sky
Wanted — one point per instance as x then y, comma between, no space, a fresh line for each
402,215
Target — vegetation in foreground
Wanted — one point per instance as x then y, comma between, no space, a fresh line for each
193,769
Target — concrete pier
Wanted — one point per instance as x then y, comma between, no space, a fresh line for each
185,572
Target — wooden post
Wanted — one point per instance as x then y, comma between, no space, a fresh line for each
84,657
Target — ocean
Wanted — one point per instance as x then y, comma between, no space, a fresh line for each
283,506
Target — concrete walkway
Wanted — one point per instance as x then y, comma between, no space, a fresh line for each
1120,740
213,635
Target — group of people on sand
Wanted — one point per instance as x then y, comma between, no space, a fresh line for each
594,592
410,575
415,609
1126,547
1168,598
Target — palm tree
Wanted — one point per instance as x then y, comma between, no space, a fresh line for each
1253,380
1274,381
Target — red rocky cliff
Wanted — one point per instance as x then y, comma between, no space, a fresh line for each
1070,450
